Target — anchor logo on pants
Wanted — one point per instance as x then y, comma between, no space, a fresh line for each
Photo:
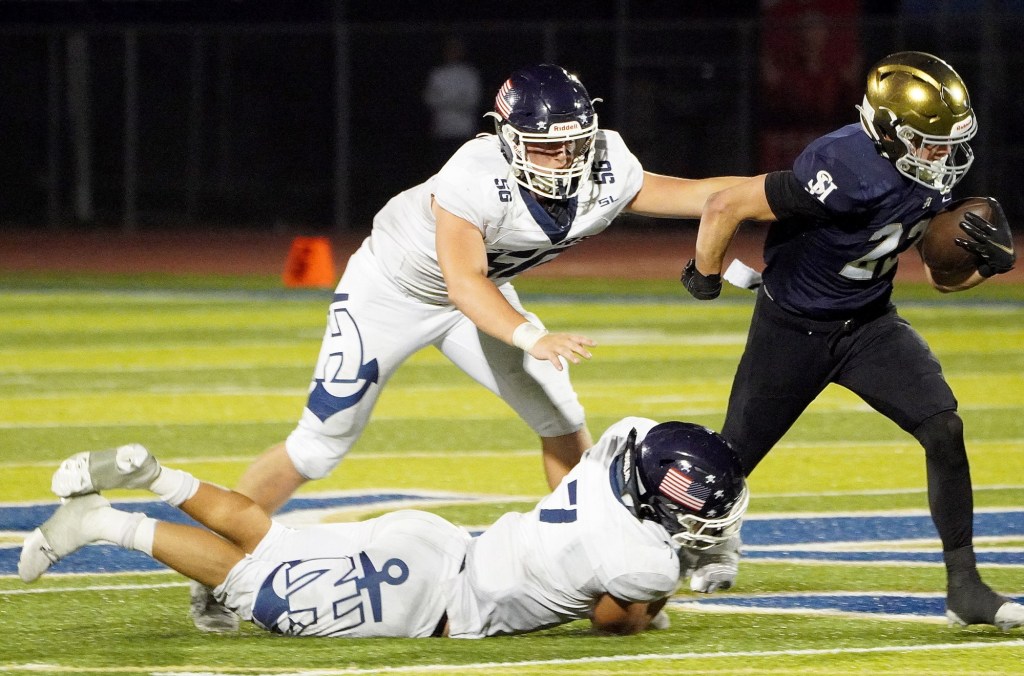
341,378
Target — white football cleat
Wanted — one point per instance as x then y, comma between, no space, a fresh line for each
660,621
63,533
207,613
129,466
1009,616
716,568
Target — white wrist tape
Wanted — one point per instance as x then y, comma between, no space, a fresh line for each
526,336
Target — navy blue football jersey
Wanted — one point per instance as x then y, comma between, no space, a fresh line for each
833,250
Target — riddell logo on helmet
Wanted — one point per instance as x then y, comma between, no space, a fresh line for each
963,125
565,126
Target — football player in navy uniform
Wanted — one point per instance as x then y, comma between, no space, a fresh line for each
437,271
854,200
603,546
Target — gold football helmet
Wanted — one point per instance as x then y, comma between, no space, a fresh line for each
917,111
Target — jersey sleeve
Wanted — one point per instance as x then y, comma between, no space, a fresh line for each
468,186
642,587
614,161
788,199
614,438
829,178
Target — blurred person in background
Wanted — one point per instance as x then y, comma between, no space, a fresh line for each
453,93
810,66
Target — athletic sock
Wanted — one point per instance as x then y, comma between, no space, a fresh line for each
142,538
113,525
174,486
961,566
972,600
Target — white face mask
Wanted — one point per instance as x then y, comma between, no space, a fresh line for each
554,182
699,533
934,162
937,162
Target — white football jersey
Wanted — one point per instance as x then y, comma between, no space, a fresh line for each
476,184
551,565
365,579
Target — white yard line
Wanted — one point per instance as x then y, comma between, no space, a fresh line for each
704,657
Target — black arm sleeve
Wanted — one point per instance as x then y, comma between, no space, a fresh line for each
788,199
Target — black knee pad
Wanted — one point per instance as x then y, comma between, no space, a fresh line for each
942,436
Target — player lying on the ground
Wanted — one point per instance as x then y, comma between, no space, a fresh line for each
604,545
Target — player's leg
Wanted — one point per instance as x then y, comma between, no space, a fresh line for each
542,395
901,378
271,480
204,557
195,553
371,330
241,521
784,367
562,453
231,515
228,513
85,519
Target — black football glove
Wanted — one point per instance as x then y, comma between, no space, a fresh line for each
701,287
991,244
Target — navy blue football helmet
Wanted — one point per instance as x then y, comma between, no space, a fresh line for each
687,478
546,104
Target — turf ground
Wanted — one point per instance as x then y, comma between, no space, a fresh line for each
841,574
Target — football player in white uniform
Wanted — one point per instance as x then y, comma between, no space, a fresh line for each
436,270
603,545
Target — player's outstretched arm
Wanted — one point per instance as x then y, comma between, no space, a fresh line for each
463,260
672,197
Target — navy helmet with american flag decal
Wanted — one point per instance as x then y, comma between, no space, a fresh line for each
687,478
545,104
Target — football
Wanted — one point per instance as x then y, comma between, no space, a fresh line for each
949,263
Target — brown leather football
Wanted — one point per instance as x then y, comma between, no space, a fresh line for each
949,263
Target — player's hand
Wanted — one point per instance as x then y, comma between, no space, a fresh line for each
991,244
701,287
554,347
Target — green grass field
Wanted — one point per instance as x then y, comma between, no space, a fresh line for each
209,372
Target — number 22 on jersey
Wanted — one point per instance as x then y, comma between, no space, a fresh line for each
891,242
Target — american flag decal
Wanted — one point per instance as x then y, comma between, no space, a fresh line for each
500,104
683,490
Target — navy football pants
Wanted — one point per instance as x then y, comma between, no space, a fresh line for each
789,360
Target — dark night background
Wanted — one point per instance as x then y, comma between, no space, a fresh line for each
237,102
